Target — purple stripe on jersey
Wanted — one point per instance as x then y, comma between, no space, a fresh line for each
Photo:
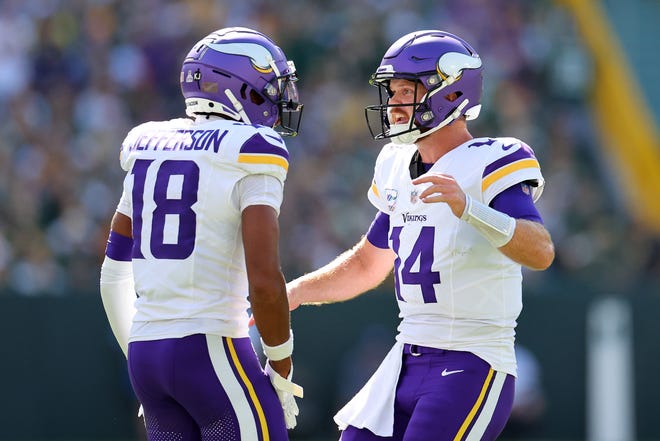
276,138
517,202
378,230
524,152
260,145
119,247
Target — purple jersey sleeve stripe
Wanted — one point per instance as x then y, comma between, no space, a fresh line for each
257,144
119,247
517,202
378,230
276,138
522,153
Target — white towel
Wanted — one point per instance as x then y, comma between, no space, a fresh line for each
373,406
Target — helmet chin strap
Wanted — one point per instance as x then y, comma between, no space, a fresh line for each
237,106
412,135
408,137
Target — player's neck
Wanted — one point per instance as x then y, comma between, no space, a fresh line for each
437,144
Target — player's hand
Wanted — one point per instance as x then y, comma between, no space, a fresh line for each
443,188
286,392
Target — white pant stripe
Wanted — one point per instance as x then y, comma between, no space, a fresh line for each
486,414
223,369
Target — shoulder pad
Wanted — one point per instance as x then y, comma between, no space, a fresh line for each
264,152
511,161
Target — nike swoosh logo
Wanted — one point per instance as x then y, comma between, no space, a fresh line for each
446,372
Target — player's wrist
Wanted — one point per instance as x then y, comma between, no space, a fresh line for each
282,367
279,352
497,227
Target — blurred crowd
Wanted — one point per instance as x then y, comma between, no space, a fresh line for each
76,75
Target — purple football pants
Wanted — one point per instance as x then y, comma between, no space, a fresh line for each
445,396
204,388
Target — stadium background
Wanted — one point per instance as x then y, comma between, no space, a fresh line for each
576,79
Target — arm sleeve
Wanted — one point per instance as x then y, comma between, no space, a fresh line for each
118,296
517,202
378,230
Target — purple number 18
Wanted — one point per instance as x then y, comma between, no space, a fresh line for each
179,206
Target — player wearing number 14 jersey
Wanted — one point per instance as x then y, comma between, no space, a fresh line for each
456,221
195,239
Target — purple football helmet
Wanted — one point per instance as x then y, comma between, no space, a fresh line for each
241,74
441,62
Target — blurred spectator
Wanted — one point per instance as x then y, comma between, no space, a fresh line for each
76,75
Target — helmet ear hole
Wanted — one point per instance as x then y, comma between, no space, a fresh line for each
256,98
453,96
243,89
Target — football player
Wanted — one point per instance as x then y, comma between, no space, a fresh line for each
456,221
194,244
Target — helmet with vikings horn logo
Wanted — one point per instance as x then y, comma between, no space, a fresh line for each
241,74
446,66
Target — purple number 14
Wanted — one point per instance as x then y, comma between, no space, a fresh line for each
422,251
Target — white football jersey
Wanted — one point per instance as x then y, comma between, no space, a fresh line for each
180,193
454,289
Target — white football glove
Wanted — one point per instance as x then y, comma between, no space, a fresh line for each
286,390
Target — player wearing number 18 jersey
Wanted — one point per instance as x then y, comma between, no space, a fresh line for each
456,221
183,192
195,237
